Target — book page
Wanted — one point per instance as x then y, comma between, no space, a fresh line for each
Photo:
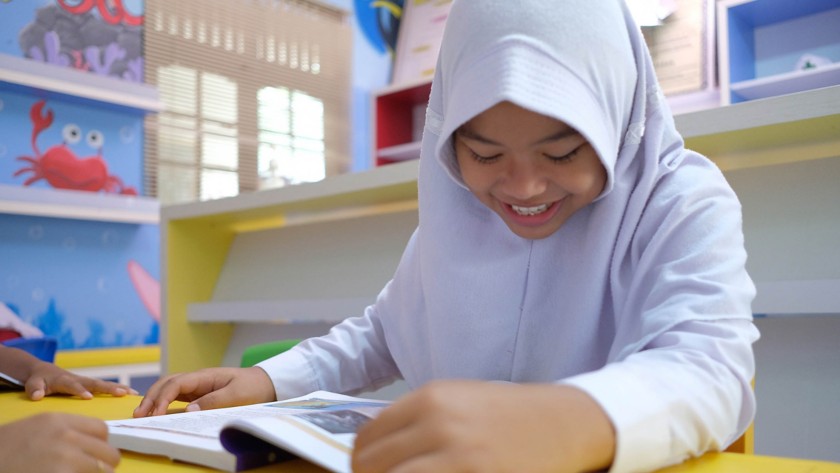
319,427
320,430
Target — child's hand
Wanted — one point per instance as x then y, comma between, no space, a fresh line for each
46,378
56,442
471,426
209,388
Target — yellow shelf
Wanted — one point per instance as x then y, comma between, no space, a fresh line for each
70,359
197,239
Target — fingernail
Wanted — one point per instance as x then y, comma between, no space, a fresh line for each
192,408
135,392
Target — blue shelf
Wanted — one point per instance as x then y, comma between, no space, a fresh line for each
761,43
766,12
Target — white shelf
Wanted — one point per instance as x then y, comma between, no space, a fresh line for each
79,205
791,82
800,106
403,152
383,185
281,312
68,82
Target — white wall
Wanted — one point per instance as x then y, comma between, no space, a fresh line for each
797,385
792,232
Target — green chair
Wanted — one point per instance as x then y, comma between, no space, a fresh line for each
263,351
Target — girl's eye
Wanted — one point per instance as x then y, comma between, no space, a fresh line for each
565,158
483,159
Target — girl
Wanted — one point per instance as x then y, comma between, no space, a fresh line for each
568,244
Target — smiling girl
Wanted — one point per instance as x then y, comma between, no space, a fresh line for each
575,295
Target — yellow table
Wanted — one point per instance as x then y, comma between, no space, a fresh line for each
15,405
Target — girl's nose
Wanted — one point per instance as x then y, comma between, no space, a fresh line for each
525,181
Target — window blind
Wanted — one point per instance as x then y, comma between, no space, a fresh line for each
256,95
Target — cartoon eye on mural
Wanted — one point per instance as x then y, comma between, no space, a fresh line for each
107,42
60,166
379,20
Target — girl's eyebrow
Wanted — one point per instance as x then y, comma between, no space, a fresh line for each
465,132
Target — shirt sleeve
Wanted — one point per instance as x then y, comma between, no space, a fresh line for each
678,379
352,357
687,393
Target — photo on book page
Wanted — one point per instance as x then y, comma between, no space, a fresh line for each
319,428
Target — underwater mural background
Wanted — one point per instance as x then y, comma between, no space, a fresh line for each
87,283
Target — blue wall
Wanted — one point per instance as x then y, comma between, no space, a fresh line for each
70,278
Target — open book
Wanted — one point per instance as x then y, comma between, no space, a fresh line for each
319,427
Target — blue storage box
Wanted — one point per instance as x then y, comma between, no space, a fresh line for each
41,348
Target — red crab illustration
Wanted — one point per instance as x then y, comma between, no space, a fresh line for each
112,12
60,166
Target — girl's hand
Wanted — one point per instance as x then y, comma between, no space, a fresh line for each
57,443
46,378
472,426
209,388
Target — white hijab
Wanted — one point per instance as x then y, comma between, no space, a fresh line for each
472,299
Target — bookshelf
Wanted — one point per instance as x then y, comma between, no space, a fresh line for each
222,271
769,48
399,113
317,253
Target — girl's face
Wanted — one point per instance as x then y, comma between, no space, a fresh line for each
532,170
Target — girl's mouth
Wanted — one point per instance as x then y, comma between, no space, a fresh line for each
530,211
532,216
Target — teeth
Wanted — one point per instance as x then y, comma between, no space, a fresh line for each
530,210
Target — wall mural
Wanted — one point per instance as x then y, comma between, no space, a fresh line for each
65,145
59,165
95,284
379,21
100,36
89,284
